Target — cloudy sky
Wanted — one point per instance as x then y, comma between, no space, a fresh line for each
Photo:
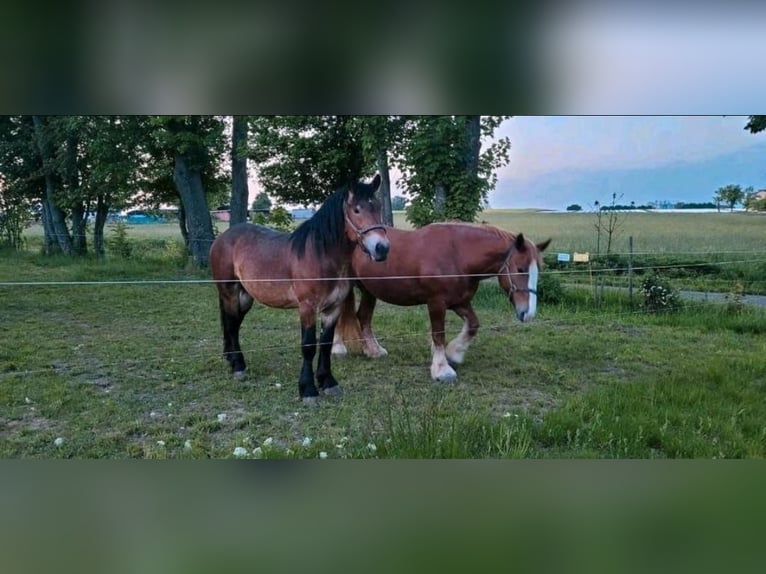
561,159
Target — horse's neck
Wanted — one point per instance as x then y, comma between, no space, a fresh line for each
494,248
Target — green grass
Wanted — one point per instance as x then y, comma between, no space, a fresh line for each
134,370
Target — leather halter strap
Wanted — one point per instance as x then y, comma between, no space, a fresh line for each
360,232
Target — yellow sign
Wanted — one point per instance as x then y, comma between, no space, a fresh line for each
581,257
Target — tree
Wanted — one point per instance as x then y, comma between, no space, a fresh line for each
730,194
574,207
398,203
756,124
609,221
262,202
239,189
753,203
194,145
444,171
303,159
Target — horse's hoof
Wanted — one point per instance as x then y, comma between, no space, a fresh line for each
339,351
311,401
446,378
335,392
239,375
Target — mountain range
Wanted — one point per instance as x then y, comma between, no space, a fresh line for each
684,181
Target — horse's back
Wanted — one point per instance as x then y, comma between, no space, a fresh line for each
245,243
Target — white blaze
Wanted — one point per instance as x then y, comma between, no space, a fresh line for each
532,285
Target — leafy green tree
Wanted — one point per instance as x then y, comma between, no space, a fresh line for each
574,207
192,148
262,202
303,159
730,194
444,171
756,124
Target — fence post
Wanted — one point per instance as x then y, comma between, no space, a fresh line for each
630,270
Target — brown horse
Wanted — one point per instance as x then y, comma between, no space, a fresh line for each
440,265
307,269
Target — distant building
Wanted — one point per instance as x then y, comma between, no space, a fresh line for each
302,213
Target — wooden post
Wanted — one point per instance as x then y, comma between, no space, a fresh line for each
630,270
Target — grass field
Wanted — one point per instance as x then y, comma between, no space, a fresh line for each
134,370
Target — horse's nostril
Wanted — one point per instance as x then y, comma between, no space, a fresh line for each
381,251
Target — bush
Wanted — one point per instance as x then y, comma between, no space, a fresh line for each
658,295
549,289
118,243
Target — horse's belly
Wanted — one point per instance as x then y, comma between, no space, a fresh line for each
273,294
401,292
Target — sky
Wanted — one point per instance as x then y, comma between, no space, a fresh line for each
693,153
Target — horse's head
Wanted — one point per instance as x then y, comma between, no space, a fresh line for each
519,273
364,224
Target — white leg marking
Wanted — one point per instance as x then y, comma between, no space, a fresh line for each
440,369
338,346
532,284
373,349
459,345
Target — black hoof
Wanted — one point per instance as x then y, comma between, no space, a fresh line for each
311,401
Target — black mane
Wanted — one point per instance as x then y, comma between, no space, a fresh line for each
326,228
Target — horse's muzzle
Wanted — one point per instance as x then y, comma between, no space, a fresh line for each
381,251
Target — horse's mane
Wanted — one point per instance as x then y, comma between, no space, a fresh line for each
326,228
502,233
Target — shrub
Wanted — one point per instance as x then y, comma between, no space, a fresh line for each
549,289
118,243
658,295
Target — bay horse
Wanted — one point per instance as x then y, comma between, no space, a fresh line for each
307,269
440,265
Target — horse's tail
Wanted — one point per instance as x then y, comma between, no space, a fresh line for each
347,329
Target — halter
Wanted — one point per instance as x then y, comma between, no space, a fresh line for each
507,267
360,232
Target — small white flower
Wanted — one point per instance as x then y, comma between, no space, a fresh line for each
160,443
240,451
289,452
27,400
59,441
221,417
371,446
506,415
339,445
187,445
268,441
323,455
153,414
257,452
307,441
278,385
170,404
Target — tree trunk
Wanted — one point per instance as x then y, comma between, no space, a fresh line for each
440,202
239,189
56,216
78,214
79,217
50,243
182,224
473,145
200,227
385,187
102,210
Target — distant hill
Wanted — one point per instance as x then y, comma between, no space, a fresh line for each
682,181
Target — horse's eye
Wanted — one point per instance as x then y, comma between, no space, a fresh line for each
357,210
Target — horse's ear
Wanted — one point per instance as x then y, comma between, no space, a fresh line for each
350,196
520,244
375,183
543,245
